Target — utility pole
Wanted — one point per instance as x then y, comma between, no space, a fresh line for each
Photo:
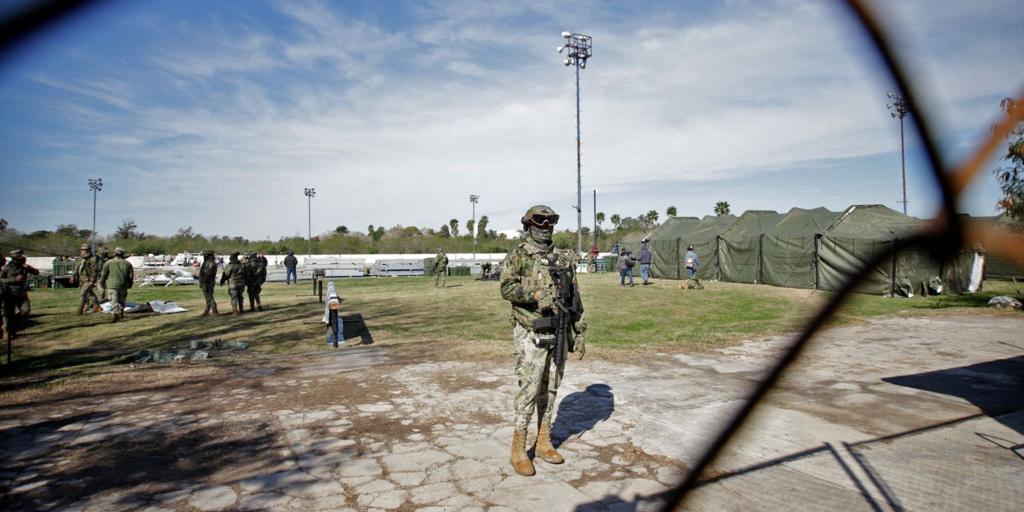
899,109
310,192
580,49
473,198
595,217
95,185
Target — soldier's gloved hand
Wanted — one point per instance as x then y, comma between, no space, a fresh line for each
544,299
581,344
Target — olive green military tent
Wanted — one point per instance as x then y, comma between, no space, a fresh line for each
860,233
788,250
739,247
998,267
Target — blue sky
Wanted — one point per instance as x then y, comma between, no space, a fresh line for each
216,115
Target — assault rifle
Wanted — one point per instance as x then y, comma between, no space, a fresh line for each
568,309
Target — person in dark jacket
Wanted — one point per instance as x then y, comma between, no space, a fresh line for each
290,262
645,261
235,275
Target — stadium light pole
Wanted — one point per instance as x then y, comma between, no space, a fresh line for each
310,192
899,109
95,184
580,49
473,198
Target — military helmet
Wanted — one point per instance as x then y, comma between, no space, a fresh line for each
84,247
119,251
234,256
540,216
17,252
104,251
208,252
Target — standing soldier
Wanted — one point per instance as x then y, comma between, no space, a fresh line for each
264,263
528,281
235,275
254,281
441,268
207,280
117,277
14,280
87,273
104,257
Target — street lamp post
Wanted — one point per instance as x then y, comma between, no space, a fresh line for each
310,192
580,49
899,109
95,184
473,198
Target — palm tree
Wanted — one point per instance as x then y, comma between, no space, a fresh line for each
671,211
616,219
722,208
454,225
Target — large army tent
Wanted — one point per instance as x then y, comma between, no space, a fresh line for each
860,233
704,240
996,266
664,245
739,247
788,252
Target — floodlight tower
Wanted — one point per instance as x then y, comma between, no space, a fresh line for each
95,184
473,198
579,47
310,192
899,109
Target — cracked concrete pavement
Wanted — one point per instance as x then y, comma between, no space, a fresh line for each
894,414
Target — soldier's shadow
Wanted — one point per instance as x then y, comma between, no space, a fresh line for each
581,411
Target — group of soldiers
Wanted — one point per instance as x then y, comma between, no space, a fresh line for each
112,276
242,277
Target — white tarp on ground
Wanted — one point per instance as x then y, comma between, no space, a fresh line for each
157,306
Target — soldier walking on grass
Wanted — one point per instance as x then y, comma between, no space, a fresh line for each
254,281
235,275
535,278
87,274
14,288
117,277
441,268
207,280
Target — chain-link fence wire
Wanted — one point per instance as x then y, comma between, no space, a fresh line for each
942,238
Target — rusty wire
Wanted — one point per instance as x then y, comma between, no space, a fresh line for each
942,237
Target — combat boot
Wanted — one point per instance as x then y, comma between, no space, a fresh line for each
215,312
521,462
81,309
114,318
544,449
206,312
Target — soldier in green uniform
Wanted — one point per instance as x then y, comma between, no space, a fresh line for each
441,268
14,280
104,256
87,274
527,282
117,277
207,280
254,281
235,274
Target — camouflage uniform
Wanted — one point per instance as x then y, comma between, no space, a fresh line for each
257,274
117,277
104,257
207,280
441,269
87,274
14,282
235,274
526,282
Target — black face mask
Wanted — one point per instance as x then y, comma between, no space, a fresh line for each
540,235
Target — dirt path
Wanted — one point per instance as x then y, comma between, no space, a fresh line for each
393,428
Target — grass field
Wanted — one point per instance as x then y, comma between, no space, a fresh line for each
469,317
